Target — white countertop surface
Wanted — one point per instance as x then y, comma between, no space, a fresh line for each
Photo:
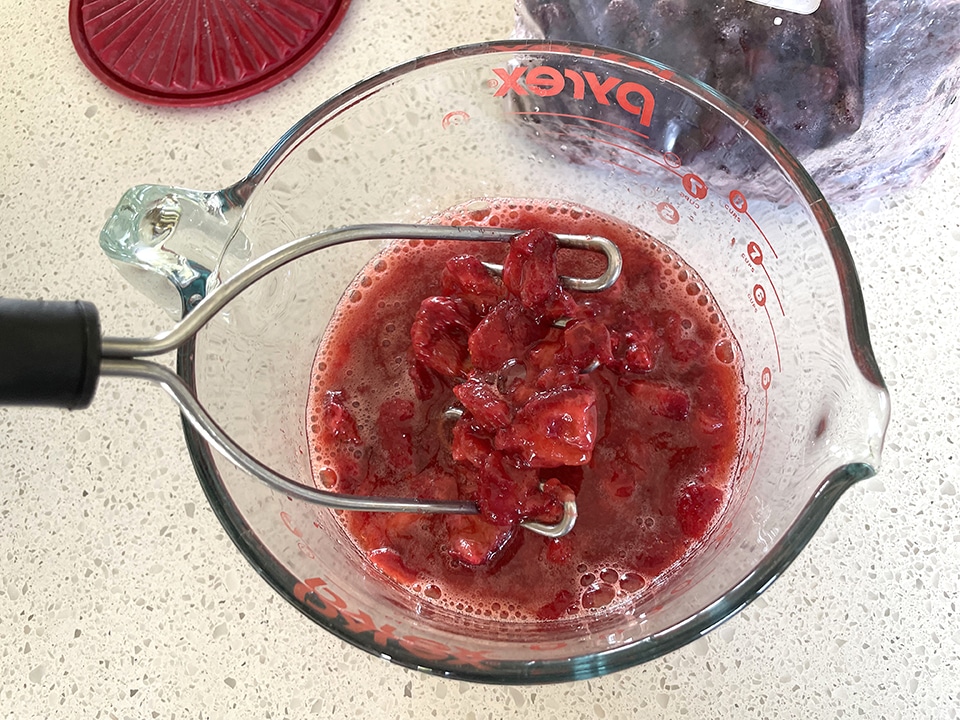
122,597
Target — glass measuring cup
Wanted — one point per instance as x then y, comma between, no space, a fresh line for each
619,134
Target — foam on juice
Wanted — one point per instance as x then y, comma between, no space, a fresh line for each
365,355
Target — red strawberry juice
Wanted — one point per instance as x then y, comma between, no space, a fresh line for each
438,379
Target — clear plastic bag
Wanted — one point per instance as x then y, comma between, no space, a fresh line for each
864,92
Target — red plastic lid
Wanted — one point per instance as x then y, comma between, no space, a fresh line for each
193,53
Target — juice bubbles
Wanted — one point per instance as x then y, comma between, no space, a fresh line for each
438,379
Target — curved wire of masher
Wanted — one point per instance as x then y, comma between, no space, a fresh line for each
124,357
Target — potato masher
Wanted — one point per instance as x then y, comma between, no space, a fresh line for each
52,353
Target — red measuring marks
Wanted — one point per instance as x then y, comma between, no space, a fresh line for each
694,185
755,254
695,189
668,213
766,379
739,203
455,117
665,210
672,159
759,296
605,136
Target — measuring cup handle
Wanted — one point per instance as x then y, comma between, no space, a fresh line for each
49,353
167,241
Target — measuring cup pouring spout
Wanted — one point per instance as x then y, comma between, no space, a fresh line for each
168,242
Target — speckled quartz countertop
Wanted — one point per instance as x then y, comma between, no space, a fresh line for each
122,597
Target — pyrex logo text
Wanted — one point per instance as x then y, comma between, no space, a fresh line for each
546,81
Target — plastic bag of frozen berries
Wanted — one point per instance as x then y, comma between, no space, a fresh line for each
863,92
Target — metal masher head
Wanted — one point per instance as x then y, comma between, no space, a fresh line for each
125,357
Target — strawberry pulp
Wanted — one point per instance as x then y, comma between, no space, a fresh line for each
438,379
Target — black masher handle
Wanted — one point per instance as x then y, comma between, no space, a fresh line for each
49,352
